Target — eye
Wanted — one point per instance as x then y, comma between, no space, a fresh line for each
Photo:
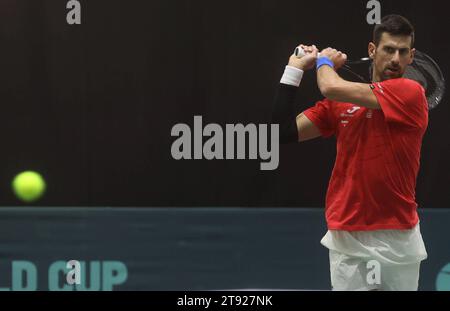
404,51
389,49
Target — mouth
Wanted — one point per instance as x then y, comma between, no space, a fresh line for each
392,71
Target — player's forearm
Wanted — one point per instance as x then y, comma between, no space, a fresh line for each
329,82
335,88
284,112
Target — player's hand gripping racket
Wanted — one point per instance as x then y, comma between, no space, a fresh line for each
423,69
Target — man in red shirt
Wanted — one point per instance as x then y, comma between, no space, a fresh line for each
373,227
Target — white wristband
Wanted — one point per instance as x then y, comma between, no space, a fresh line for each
292,76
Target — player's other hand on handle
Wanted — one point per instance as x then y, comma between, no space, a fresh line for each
306,62
337,57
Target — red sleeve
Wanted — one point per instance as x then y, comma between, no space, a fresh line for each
402,101
321,114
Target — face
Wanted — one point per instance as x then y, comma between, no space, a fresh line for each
391,57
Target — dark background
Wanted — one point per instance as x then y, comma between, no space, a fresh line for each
91,106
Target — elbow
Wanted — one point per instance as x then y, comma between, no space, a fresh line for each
328,90
324,89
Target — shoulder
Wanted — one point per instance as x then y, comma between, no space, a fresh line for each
403,89
401,84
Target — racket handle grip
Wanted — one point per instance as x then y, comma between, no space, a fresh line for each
299,52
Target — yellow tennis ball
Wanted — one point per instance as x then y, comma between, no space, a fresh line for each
28,186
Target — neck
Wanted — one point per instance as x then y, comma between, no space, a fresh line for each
375,78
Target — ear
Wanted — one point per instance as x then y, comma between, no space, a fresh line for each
371,50
412,54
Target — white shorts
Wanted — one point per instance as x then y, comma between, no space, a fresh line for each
352,273
393,256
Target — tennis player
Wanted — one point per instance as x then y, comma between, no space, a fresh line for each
371,210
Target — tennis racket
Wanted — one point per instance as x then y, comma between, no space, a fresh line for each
423,69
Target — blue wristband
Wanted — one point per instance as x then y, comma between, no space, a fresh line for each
323,60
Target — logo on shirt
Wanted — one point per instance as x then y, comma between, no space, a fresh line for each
355,108
349,113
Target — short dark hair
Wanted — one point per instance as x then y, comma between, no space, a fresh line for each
394,25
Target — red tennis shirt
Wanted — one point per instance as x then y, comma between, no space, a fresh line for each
372,186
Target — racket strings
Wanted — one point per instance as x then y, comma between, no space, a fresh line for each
425,71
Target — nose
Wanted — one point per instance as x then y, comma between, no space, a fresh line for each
396,58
